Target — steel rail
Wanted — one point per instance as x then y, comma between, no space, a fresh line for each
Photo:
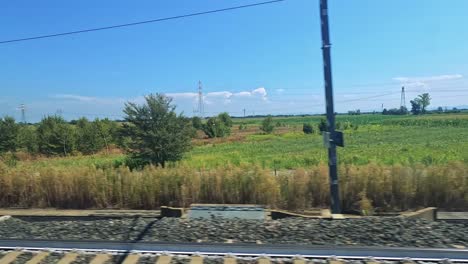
243,250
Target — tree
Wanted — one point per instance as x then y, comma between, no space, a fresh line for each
92,137
87,140
307,128
157,134
226,119
267,125
27,138
8,134
357,112
55,136
415,107
403,110
396,111
197,123
214,127
219,126
106,131
424,100
440,109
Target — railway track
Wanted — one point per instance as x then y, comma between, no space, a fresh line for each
157,252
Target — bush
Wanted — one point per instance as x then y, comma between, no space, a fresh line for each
226,119
307,128
267,125
322,126
242,126
214,127
219,126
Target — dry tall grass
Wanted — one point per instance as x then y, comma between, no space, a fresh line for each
387,187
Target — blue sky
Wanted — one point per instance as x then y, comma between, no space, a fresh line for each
266,59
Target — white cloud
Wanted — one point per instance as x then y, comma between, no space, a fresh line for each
186,101
423,81
260,91
228,96
182,95
75,97
243,94
222,94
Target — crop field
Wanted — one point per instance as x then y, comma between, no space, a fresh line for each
385,140
380,144
389,162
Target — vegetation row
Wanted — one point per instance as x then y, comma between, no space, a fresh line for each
364,189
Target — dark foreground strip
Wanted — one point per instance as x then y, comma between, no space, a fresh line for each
219,249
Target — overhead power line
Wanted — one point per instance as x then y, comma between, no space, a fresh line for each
142,22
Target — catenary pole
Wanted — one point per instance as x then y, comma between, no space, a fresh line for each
332,160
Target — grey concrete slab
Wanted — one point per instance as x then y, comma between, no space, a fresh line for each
452,215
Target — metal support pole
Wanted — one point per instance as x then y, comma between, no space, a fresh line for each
332,160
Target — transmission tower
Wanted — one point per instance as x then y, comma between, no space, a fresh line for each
201,108
403,98
22,107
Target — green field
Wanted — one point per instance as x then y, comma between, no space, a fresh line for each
386,140
379,144
388,163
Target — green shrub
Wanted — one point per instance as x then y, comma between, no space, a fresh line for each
322,126
267,125
307,128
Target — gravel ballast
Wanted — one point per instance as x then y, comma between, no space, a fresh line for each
371,231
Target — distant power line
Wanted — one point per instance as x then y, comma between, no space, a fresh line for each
141,22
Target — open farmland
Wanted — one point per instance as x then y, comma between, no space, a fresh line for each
384,165
381,144
385,140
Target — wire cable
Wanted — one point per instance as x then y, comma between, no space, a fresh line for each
141,22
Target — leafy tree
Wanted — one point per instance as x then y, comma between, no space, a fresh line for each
396,111
307,128
55,136
226,119
27,138
197,123
454,110
415,107
106,131
87,141
357,112
157,134
440,109
424,100
267,125
8,134
403,110
94,136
